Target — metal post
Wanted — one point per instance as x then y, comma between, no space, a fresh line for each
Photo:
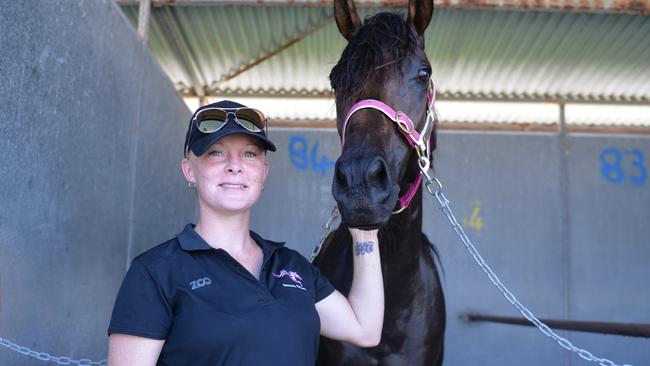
565,217
144,13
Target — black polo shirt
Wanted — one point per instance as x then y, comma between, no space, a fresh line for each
212,311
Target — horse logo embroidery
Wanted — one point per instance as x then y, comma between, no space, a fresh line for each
294,276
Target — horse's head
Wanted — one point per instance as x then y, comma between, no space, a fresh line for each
384,61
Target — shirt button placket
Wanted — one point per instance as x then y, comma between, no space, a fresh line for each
264,295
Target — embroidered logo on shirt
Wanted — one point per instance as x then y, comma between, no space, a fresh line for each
294,276
200,283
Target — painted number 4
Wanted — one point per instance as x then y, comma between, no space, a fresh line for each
303,157
613,161
475,220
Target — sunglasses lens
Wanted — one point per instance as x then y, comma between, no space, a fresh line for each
210,125
250,119
211,120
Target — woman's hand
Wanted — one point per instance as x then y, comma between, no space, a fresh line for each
359,318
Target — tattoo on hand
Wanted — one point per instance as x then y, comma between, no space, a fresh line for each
363,247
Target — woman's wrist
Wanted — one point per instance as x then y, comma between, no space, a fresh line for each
364,241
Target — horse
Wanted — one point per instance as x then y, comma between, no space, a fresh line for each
376,176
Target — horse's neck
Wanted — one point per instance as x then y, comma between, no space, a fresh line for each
401,239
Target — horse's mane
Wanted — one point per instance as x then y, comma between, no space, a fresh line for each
383,41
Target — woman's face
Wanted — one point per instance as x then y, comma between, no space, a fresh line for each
230,176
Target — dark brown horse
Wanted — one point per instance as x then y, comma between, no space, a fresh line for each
385,61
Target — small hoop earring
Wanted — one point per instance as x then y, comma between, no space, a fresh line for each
191,185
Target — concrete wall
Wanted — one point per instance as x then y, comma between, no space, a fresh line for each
92,134
564,235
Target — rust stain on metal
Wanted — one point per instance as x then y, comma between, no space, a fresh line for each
535,4
633,6
639,7
636,7
559,4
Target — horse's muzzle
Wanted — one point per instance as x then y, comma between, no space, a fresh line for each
363,189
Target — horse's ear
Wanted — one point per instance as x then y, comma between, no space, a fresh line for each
420,12
347,18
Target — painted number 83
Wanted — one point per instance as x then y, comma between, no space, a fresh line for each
621,165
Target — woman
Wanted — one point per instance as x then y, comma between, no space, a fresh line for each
219,294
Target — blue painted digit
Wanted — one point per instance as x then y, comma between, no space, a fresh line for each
611,165
314,163
298,152
302,157
637,162
322,165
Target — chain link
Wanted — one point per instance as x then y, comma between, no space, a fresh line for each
327,229
434,187
44,356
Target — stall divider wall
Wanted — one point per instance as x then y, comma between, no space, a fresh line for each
92,133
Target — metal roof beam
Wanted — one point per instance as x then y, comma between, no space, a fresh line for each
268,55
636,7
182,52
469,97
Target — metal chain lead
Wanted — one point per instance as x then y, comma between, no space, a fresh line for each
327,229
44,356
434,187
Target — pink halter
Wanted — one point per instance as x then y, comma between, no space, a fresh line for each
417,140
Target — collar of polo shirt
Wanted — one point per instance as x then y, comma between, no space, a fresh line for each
190,240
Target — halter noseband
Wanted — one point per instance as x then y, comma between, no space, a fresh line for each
418,140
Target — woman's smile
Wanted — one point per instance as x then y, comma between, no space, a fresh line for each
233,186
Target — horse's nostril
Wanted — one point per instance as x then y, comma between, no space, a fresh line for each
376,171
339,175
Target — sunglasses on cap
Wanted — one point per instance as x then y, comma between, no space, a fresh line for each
211,120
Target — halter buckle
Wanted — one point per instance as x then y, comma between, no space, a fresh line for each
402,124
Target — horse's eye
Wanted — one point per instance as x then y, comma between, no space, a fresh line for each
424,74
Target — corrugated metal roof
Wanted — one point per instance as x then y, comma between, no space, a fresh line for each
541,55
230,38
493,55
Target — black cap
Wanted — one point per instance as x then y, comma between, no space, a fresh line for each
199,142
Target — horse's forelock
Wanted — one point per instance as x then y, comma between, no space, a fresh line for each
383,41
